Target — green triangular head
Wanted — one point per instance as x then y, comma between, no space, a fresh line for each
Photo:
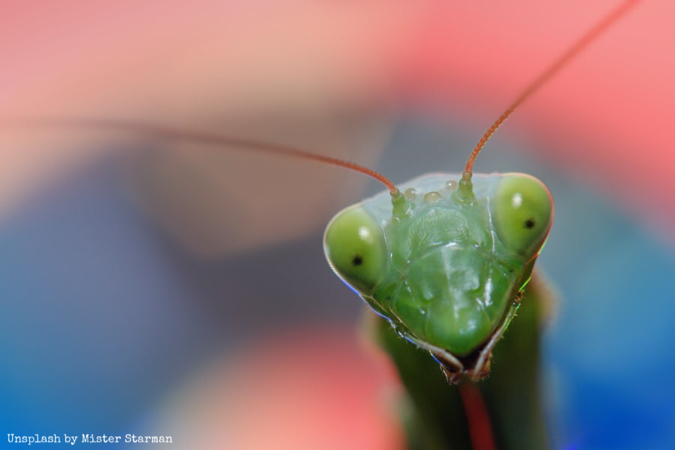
446,260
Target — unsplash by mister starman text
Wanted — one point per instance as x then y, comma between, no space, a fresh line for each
87,439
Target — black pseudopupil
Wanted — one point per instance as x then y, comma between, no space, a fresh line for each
529,224
357,260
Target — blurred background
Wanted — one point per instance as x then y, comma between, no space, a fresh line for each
155,286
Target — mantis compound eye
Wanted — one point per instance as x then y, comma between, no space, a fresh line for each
356,250
522,211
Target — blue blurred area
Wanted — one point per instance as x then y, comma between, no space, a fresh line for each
103,316
611,341
89,336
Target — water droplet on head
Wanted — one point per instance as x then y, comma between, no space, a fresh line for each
432,196
411,193
451,185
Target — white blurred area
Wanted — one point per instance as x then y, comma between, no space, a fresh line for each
221,200
215,199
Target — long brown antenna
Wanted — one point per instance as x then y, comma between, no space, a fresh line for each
571,52
198,137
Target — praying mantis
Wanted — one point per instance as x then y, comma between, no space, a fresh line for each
498,225
446,264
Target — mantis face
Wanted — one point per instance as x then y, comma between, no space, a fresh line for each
446,262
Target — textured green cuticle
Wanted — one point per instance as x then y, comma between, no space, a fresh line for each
439,267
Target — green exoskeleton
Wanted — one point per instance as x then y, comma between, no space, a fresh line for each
446,262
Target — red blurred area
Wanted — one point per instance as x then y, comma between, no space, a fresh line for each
307,389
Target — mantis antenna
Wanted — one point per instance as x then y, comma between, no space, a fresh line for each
203,138
558,64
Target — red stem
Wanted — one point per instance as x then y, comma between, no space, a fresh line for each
480,428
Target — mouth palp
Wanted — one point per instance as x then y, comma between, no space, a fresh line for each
475,365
